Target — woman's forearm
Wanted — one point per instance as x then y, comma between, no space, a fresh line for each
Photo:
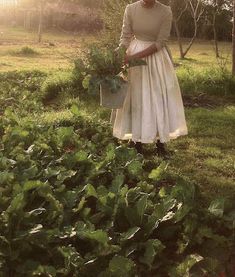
146,52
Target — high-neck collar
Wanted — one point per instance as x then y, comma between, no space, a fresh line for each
154,5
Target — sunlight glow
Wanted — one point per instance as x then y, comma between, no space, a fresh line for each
5,3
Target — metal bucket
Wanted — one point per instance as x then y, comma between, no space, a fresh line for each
113,100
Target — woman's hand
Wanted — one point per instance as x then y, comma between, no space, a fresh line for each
144,53
136,56
127,58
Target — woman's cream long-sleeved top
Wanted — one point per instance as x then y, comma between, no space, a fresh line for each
152,24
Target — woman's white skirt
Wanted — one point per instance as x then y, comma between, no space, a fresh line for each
153,108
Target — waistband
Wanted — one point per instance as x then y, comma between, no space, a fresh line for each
144,40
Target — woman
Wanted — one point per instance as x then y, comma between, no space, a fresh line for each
153,110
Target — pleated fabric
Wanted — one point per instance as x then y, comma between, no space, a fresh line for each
153,109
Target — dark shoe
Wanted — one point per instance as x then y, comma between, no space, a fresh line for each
131,144
138,146
160,149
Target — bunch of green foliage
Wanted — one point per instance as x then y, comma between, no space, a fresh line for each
98,65
103,65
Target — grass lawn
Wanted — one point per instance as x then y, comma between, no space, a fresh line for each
55,52
206,156
58,49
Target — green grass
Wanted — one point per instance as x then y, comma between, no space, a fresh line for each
202,54
207,154
66,45
57,50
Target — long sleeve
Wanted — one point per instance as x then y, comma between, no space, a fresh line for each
165,30
126,33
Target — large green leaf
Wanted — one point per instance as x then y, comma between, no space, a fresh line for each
81,156
75,110
6,177
30,185
117,183
124,155
183,268
217,207
121,266
130,233
48,271
110,152
184,193
141,205
91,191
72,257
157,173
98,235
17,204
135,168
153,247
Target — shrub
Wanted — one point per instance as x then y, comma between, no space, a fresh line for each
28,51
25,51
112,16
78,74
54,85
209,80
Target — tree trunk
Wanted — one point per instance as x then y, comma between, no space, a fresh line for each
179,38
233,35
185,52
196,13
27,20
215,36
40,21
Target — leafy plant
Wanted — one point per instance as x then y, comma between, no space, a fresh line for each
20,90
104,66
73,203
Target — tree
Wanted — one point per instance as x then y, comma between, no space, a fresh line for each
233,36
214,10
41,9
40,6
196,10
178,9
112,16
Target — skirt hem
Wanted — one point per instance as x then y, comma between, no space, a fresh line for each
151,140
